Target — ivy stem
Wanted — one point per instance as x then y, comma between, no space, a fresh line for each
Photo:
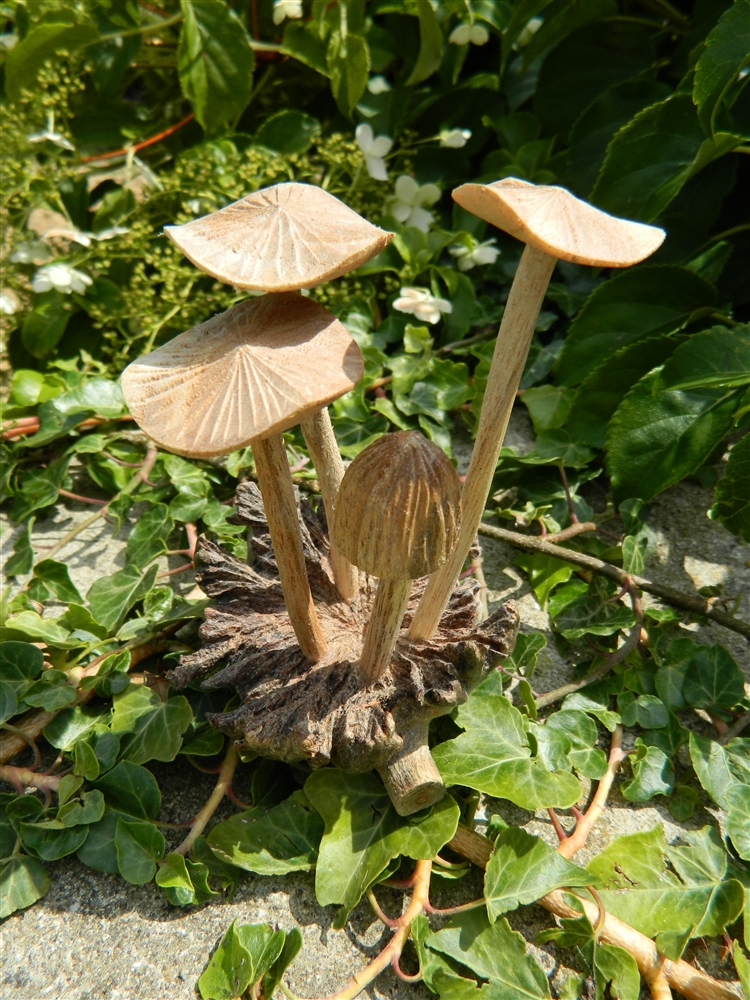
577,528
21,777
146,29
693,604
568,497
222,785
557,825
451,910
29,740
736,728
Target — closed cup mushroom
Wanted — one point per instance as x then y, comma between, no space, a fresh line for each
280,239
554,225
398,517
241,378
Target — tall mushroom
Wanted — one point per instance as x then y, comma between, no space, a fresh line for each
242,378
399,511
554,225
280,239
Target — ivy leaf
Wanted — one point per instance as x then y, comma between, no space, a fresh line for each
89,809
363,832
719,768
631,306
157,733
732,504
738,819
185,881
671,890
653,774
23,880
522,869
726,52
55,579
139,846
526,652
617,966
245,954
545,573
711,359
289,952
31,626
20,664
713,679
288,132
652,158
348,66
494,952
493,754
591,613
131,789
147,539
111,597
302,42
273,841
654,441
52,840
215,63
22,560
24,61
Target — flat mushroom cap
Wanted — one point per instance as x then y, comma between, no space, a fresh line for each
399,508
250,372
280,239
555,221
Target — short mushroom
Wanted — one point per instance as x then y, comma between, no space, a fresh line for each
243,378
554,225
279,239
397,519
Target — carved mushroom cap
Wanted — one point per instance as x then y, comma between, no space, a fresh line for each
248,373
552,219
399,508
280,239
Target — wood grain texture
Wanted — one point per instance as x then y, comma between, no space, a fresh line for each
383,627
399,507
326,458
512,346
555,221
280,239
291,710
252,371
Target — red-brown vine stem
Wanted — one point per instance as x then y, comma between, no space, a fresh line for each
222,787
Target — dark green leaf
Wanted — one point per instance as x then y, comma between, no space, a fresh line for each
732,504
654,441
244,956
44,326
713,679
348,65
726,51
710,359
494,952
629,307
289,952
52,840
55,577
522,869
153,728
303,42
273,841
215,63
132,790
363,832
22,559
653,774
493,754
139,846
111,597
288,132
650,160
592,613
430,42
22,881
185,882
89,809
525,653
148,536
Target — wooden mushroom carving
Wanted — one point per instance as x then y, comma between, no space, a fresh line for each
242,378
554,225
399,512
281,239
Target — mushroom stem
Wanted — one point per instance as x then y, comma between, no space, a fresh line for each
411,775
513,340
382,630
275,482
326,458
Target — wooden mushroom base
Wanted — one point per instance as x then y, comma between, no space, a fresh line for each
294,710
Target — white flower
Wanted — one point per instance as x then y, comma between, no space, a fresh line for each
378,85
480,253
109,234
465,33
422,304
31,253
529,31
408,204
286,8
454,138
50,134
63,277
374,148
8,302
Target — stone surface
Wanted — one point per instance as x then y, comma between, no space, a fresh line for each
94,937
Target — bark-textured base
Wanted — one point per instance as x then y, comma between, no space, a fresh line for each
294,710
